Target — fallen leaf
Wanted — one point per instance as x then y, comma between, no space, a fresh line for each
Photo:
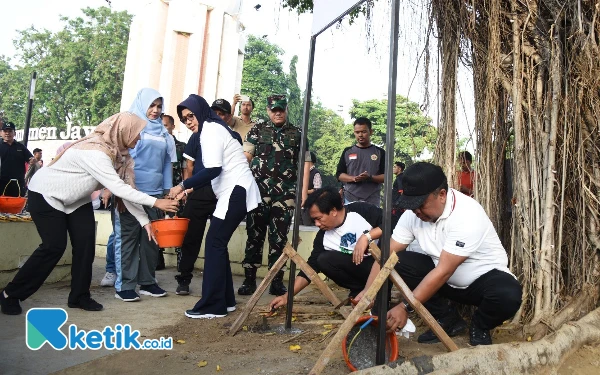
294,318
180,341
244,328
202,363
528,338
328,326
325,332
218,368
295,348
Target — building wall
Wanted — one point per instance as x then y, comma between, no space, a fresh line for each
182,47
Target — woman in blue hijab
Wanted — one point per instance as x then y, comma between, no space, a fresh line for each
135,256
226,169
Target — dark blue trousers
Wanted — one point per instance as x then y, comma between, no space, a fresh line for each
217,282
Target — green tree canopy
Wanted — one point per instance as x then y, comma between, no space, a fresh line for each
263,73
414,131
80,70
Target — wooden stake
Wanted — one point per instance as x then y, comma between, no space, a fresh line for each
418,306
256,296
288,252
313,276
362,305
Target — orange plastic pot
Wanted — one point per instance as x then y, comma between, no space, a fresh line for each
391,343
170,232
12,205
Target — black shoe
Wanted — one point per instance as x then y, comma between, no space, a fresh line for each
478,336
453,324
277,288
199,314
10,306
87,304
183,289
249,285
161,260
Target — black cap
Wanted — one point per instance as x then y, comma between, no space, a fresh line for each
221,104
8,126
418,181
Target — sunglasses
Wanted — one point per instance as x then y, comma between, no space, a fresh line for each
189,117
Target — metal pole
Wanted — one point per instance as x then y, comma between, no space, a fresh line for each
29,108
299,180
388,179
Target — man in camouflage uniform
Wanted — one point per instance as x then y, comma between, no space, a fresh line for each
272,148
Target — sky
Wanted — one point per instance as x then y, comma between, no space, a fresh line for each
351,61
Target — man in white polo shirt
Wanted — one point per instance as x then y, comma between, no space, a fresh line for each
464,260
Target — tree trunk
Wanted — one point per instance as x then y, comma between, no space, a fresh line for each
510,358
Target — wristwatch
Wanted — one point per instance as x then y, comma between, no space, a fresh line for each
408,307
367,233
181,185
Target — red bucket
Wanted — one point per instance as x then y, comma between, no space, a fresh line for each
12,205
170,232
391,344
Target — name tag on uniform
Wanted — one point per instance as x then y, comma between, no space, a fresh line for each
353,156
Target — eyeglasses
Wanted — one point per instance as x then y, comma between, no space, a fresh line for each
189,117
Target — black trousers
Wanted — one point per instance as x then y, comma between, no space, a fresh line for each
496,294
340,268
217,282
53,226
199,207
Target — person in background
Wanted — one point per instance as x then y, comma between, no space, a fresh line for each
246,108
397,211
34,166
136,257
465,177
60,204
178,168
13,157
314,182
361,166
226,169
343,230
223,109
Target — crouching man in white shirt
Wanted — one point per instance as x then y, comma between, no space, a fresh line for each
464,260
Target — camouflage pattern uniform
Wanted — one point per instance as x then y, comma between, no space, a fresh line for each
274,166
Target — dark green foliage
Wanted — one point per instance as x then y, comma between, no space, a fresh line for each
80,70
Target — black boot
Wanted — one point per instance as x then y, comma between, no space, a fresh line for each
161,260
183,285
277,288
249,285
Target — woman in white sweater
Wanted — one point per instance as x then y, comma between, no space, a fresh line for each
59,203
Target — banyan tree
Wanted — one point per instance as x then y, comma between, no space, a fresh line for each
535,68
536,75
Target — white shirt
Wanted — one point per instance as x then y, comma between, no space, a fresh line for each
220,149
68,184
463,229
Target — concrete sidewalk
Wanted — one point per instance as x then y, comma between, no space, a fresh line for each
146,315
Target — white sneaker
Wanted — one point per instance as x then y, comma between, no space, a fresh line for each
108,279
231,309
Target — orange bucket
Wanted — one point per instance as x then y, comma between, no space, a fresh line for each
350,344
170,232
12,205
